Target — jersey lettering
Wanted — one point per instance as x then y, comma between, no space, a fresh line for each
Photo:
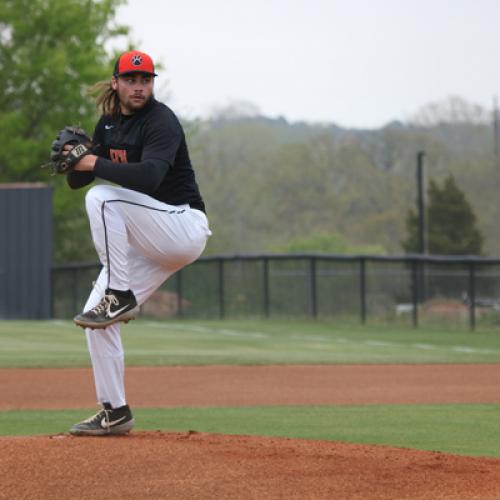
118,155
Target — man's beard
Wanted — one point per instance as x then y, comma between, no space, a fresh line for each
133,106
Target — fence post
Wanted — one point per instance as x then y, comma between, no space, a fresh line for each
52,301
362,289
180,312
265,279
415,291
75,291
472,296
313,291
221,288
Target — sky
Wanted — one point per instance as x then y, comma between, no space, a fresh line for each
356,63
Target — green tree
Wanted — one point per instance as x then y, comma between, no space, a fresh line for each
451,223
50,52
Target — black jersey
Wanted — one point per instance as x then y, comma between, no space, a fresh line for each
146,152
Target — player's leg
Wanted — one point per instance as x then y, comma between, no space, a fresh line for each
155,240
109,234
168,235
165,233
107,356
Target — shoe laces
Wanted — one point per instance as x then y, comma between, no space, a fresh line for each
105,304
103,413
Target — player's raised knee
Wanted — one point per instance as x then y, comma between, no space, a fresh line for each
96,196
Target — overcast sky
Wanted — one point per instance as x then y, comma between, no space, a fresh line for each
358,63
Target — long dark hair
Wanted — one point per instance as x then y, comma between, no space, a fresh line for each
106,98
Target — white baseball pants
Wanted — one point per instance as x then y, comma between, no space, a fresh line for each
140,242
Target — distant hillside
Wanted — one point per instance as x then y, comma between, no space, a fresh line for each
267,181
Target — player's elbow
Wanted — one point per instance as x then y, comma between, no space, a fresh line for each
155,176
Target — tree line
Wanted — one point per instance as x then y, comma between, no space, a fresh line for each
275,186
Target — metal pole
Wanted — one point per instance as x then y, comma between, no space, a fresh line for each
414,294
52,287
75,291
265,279
496,137
422,237
180,312
472,296
221,288
422,244
313,291
362,289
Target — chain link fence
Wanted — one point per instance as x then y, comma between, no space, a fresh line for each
413,290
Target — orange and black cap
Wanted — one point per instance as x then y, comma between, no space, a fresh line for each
134,62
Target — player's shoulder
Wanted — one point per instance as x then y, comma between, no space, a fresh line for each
163,116
164,111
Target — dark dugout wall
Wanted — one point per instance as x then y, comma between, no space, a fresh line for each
25,251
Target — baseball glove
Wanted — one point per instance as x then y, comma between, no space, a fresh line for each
62,160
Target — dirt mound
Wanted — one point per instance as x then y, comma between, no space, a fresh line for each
193,465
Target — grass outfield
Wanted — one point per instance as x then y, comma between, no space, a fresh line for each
61,344
459,429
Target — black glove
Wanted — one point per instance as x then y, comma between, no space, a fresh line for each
61,160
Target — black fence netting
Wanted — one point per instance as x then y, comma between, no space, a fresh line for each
408,289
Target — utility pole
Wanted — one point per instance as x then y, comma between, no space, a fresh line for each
419,275
422,240
496,137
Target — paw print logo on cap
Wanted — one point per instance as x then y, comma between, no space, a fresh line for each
137,60
134,61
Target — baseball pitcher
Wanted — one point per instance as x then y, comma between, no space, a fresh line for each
146,225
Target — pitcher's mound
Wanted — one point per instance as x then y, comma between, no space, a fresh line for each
196,465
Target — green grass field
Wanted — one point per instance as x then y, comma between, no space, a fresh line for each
60,344
463,429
